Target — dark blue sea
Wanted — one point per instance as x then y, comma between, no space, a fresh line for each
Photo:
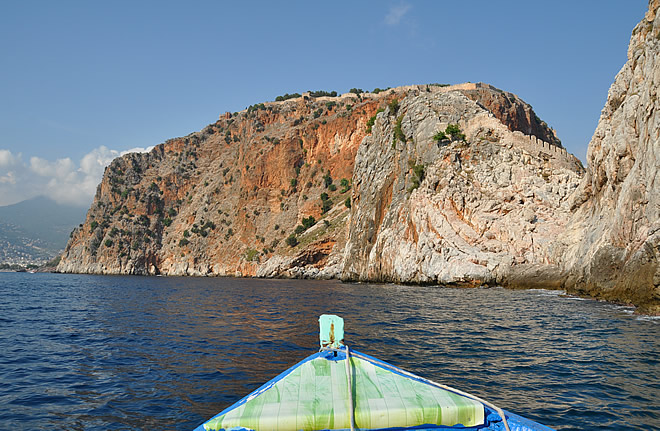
116,353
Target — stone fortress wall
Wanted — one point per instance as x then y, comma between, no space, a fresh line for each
538,148
558,156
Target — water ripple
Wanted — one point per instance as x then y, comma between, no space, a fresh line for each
115,353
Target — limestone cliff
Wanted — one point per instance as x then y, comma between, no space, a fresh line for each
613,244
267,191
462,209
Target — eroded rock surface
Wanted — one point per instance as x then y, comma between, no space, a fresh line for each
225,201
613,244
462,211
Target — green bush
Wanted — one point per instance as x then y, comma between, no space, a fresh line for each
292,241
332,187
398,133
394,106
440,136
321,93
327,179
251,255
419,171
286,96
183,242
327,206
347,202
372,120
326,203
294,182
454,131
253,108
108,243
308,222
418,176
299,229
357,91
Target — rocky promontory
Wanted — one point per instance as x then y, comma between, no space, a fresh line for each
458,209
282,189
453,185
613,241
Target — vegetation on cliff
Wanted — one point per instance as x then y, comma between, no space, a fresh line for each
207,203
447,185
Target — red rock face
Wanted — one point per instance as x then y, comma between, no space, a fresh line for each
224,199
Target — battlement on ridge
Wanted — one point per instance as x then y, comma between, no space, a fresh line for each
556,155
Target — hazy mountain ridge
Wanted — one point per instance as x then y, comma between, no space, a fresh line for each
36,230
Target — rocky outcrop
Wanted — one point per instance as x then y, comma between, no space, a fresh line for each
514,113
241,197
456,210
613,242
223,201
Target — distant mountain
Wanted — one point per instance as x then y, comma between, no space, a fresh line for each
36,230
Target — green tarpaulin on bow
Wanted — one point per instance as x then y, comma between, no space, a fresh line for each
313,395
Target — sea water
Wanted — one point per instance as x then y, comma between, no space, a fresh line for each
81,352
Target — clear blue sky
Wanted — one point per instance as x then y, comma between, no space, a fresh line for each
92,79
